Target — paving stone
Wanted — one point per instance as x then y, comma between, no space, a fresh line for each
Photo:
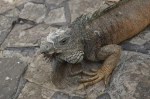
9,4
22,36
12,13
5,22
79,7
56,16
54,1
130,80
147,45
10,71
38,1
34,12
76,97
3,35
60,95
26,58
34,91
39,68
21,85
104,96
20,6
13,36
142,89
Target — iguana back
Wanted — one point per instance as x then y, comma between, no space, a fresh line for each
118,23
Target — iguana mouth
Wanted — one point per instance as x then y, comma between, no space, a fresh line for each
49,53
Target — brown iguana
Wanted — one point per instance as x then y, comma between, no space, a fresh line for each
96,37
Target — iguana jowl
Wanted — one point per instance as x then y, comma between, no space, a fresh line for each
96,37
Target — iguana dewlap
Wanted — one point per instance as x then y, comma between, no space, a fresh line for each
96,37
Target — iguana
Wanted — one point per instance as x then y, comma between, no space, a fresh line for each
95,37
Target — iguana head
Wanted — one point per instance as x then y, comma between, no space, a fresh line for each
64,44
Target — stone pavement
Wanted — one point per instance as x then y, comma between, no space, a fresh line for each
24,74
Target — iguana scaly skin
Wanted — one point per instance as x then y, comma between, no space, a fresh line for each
95,37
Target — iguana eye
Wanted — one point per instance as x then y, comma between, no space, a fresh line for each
64,41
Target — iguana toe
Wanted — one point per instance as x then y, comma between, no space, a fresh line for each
89,73
88,83
97,76
89,79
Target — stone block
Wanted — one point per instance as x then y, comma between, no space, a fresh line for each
11,70
56,16
34,91
57,2
21,35
34,12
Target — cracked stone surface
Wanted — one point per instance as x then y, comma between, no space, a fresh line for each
56,2
24,36
5,22
9,4
56,16
10,71
35,12
12,13
20,41
38,1
131,78
104,96
34,91
5,26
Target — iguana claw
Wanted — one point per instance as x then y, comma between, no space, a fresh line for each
97,76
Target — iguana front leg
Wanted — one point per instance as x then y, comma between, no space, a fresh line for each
111,54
